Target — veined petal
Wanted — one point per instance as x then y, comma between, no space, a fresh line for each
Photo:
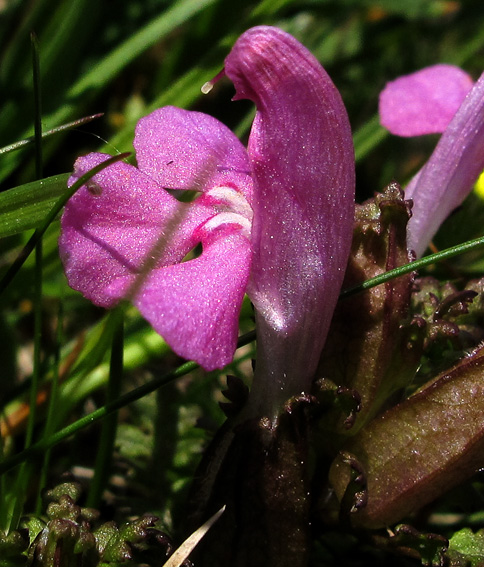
195,305
182,149
450,173
423,102
302,160
111,226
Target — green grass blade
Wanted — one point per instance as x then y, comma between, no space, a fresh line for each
47,443
110,66
105,449
57,130
24,207
52,406
416,265
23,478
368,137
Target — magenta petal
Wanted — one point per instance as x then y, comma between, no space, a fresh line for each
450,173
302,159
182,149
423,102
195,305
109,228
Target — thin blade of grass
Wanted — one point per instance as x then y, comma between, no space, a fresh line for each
416,265
47,443
368,137
192,541
108,433
166,22
56,130
23,478
53,400
38,245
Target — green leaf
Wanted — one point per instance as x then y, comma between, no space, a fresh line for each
24,207
467,548
431,548
12,547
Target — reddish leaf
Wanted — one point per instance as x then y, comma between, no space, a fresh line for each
420,448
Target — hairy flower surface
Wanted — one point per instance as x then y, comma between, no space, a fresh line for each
274,220
302,161
457,161
124,235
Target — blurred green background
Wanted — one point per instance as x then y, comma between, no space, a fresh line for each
125,58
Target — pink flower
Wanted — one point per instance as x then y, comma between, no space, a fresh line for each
425,101
442,99
125,234
302,161
274,220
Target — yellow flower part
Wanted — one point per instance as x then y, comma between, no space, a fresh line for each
479,186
